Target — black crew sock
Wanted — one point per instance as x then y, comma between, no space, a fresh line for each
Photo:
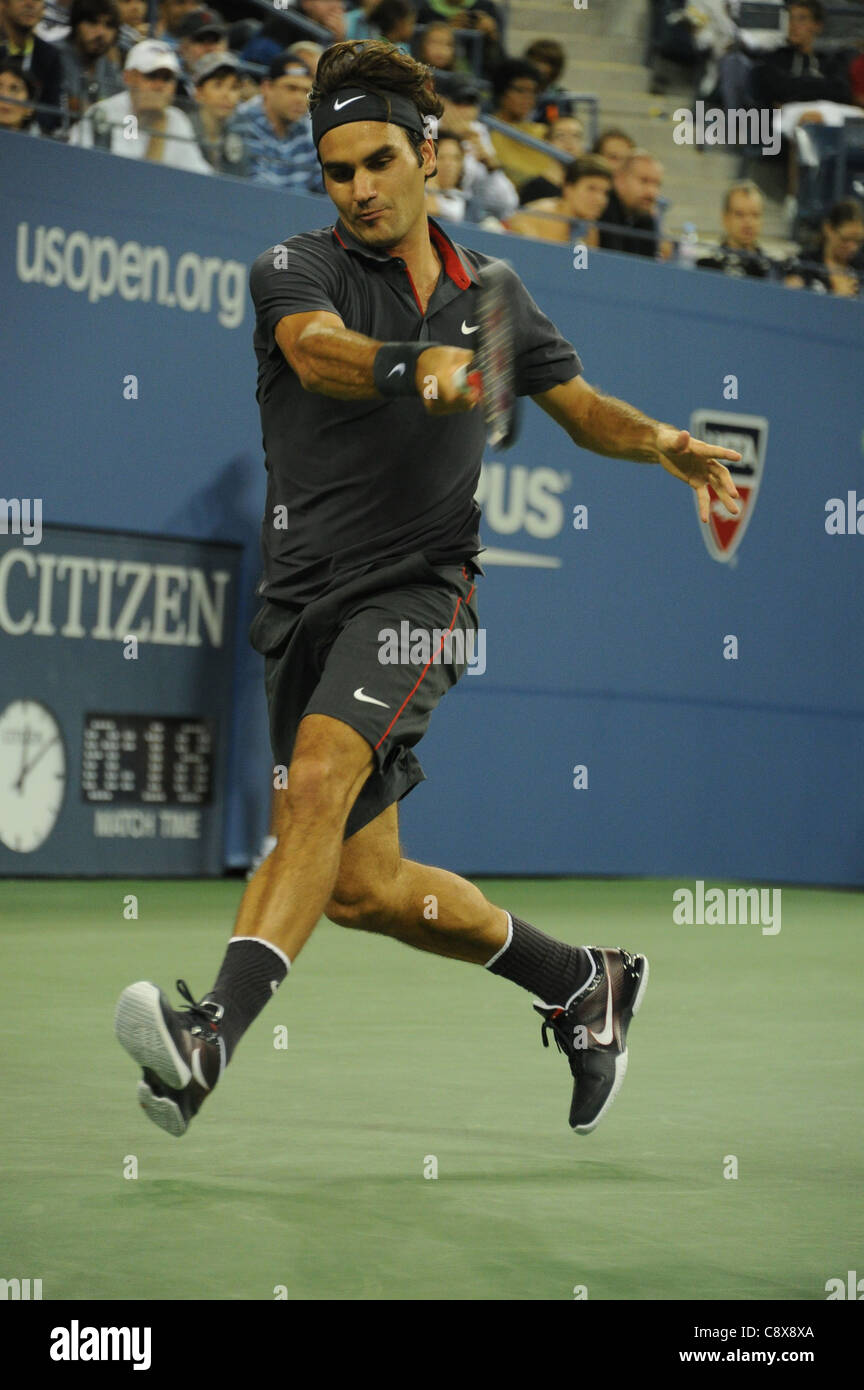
552,969
252,971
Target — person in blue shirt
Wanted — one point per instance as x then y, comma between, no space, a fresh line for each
276,130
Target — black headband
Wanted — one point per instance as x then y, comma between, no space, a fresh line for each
358,104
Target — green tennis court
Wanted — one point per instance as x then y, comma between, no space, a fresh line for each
303,1176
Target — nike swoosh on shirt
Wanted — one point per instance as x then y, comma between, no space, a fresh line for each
337,105
608,1034
400,368
472,329
368,699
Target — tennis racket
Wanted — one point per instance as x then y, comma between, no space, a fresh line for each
493,369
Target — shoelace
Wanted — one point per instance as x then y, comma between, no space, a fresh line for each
203,1019
548,1024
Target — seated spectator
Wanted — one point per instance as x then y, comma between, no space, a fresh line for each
134,27
856,76
572,214
436,45
53,27
833,264
394,21
799,80
216,81
515,85
171,15
549,58
357,24
88,73
739,254
329,14
20,44
16,87
614,146
444,196
481,16
566,134
159,131
280,32
632,206
276,129
488,190
201,32
308,51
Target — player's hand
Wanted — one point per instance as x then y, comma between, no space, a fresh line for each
698,464
441,380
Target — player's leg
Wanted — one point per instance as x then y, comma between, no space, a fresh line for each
183,1053
591,994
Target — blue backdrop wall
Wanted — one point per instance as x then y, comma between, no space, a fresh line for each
606,645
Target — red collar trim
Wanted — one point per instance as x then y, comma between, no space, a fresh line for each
450,259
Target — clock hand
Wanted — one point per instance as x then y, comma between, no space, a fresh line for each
25,771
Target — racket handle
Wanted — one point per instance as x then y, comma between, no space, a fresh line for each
462,379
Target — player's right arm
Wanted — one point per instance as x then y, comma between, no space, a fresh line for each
331,360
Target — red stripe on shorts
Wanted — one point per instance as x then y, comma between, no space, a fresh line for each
425,669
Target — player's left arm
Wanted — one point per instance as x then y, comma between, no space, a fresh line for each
611,427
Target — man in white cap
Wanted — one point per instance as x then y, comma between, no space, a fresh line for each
141,123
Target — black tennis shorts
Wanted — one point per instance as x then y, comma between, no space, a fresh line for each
335,656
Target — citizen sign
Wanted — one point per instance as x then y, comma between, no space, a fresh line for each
78,596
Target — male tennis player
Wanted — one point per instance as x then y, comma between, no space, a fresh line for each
374,443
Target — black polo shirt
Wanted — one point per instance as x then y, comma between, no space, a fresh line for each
356,484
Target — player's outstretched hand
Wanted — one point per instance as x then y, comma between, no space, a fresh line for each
443,382
698,463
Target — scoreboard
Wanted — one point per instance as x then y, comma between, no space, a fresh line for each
116,673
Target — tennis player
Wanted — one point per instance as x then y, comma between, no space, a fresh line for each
374,440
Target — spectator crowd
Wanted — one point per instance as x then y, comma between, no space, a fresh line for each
194,92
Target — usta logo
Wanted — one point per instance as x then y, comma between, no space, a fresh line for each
522,499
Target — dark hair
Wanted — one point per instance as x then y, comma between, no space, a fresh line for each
91,10
848,210
448,135
283,61
814,8
389,12
508,72
547,51
33,85
587,166
609,133
377,67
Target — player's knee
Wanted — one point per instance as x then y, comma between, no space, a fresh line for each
317,785
366,913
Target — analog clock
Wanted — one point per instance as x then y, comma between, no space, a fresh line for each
32,774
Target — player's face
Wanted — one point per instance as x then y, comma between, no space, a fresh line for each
372,175
743,222
588,197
